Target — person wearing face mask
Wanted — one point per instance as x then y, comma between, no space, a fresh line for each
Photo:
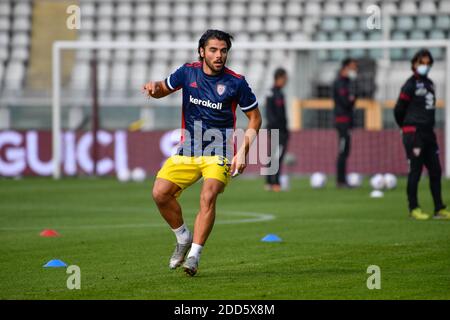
344,96
415,114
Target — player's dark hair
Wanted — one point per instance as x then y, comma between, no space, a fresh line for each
419,55
346,62
279,72
214,34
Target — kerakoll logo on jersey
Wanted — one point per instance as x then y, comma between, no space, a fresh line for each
205,103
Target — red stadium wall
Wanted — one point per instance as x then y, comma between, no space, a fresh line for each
29,152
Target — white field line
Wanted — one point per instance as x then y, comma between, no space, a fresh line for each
250,217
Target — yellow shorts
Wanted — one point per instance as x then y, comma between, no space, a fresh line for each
184,171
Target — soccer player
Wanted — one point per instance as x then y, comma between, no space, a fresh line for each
276,119
211,93
344,96
414,113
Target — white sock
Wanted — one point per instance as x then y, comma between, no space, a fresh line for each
182,233
195,251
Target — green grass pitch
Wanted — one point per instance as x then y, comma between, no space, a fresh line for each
115,234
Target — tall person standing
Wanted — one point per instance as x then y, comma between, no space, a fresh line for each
415,114
211,94
344,97
276,119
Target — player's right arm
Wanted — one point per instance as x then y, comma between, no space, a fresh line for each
160,89
403,101
156,89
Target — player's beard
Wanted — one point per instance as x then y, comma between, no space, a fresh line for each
214,68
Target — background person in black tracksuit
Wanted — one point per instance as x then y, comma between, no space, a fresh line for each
276,119
344,95
415,114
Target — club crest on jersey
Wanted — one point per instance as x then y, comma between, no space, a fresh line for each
221,89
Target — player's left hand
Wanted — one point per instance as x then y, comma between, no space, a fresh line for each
238,164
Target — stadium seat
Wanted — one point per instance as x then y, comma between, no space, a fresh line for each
217,23
122,54
424,23
5,8
141,54
199,25
405,23
398,53
180,24
20,54
105,24
158,71
236,24
123,25
443,22
104,54
162,9
351,8
294,8
437,52
182,55
292,24
329,24
4,54
273,24
312,8
103,73
275,9
162,55
256,9
199,9
22,9
279,37
260,37
21,24
4,39
143,10
4,23
331,8
87,9
258,55
387,7
375,53
338,54
124,9
105,9
119,74
298,36
20,39
87,24
138,75
427,7
255,74
349,24
238,67
358,52
80,76
219,9
310,23
238,9
417,35
408,7
14,75
142,24
444,6
161,25
254,24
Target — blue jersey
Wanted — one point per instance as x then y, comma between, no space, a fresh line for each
209,108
